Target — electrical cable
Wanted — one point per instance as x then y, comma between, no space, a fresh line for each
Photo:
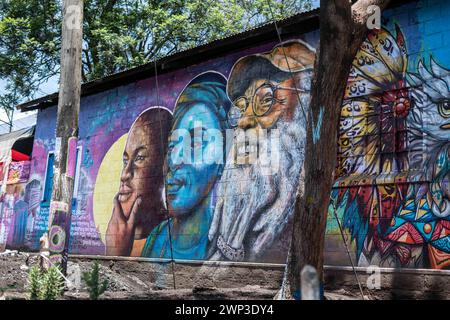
346,247
287,63
172,261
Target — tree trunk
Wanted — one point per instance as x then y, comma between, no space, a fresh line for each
66,133
342,31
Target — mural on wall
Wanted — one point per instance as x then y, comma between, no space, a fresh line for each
213,206
216,180
393,187
138,205
271,94
199,120
13,219
14,206
208,166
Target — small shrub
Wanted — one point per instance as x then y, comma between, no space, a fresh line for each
53,284
92,281
34,283
45,285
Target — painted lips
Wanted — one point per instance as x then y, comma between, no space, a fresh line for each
174,185
125,193
445,126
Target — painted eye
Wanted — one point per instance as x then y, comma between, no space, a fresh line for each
139,158
444,108
263,100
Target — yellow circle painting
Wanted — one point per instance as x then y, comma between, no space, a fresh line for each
107,184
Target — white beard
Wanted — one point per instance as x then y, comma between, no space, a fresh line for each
255,205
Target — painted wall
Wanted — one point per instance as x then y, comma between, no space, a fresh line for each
167,173
16,208
392,192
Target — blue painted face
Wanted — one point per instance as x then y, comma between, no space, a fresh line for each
189,182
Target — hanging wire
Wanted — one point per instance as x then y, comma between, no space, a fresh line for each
312,123
287,63
172,261
346,247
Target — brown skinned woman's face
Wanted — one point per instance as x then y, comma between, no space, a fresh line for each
139,172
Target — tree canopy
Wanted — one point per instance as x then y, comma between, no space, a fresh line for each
118,34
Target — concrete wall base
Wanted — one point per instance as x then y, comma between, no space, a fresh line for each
379,283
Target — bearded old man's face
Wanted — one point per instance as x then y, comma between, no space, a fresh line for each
254,207
265,102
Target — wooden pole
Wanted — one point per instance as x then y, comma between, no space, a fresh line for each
66,133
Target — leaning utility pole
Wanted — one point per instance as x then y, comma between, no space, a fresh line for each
66,133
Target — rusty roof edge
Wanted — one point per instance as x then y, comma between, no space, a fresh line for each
165,64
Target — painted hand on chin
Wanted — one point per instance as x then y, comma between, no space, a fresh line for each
121,230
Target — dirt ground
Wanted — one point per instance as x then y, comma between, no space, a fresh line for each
126,282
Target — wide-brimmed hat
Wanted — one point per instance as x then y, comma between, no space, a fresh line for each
291,56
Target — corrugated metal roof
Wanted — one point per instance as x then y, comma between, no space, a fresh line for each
25,122
148,68
259,26
307,20
209,43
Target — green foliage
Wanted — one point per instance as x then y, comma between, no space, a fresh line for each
52,286
47,285
29,38
118,34
92,280
34,283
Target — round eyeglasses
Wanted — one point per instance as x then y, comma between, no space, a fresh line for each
262,102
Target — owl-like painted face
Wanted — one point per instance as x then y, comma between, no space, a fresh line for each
431,100
431,116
